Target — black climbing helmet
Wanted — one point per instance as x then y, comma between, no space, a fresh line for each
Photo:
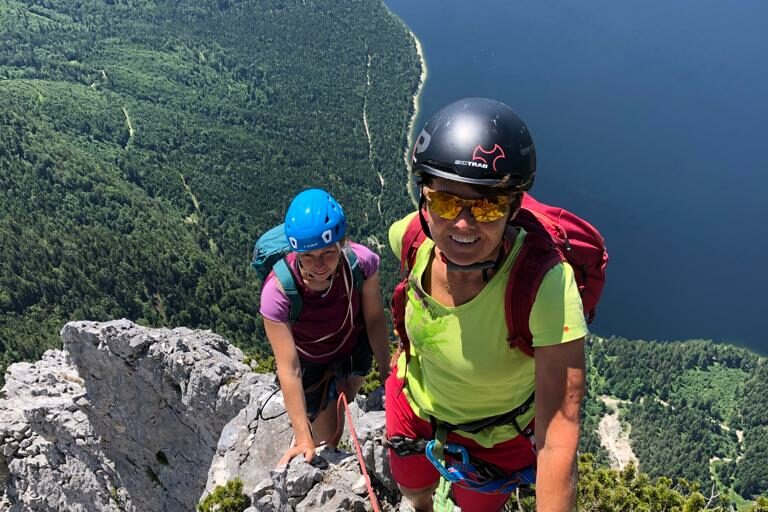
478,141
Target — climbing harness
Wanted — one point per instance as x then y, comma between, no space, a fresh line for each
325,383
461,468
404,446
471,473
334,370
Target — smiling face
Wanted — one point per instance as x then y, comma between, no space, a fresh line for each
321,263
464,240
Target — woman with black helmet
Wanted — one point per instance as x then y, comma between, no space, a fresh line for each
458,380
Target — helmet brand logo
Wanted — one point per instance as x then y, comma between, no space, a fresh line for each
485,156
470,164
422,143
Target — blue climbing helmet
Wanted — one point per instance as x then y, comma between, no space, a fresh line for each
314,220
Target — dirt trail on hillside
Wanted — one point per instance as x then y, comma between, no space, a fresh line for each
613,438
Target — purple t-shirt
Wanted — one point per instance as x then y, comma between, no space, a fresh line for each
331,321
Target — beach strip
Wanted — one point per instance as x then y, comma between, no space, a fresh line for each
415,111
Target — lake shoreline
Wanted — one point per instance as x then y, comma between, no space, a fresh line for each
415,104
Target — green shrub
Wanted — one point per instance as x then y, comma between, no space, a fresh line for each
227,498
260,361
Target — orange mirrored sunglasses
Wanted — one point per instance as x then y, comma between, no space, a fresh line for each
448,206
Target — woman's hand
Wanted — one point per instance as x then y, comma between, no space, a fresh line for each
376,324
302,447
560,387
280,337
383,372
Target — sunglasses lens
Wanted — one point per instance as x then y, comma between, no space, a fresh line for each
445,205
449,206
485,210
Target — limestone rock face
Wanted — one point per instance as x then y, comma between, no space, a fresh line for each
124,417
138,419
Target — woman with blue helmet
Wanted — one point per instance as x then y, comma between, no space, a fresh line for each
327,349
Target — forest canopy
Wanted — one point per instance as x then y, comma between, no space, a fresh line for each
695,410
145,145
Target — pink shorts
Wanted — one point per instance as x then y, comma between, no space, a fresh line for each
416,472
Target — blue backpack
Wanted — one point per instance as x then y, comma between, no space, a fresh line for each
269,255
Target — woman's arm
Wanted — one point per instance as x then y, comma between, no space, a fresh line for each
560,387
376,324
289,372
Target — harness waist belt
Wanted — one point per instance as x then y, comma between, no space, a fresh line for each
473,427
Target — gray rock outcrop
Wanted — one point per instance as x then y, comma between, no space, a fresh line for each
137,419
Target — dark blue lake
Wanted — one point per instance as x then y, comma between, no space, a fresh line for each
650,120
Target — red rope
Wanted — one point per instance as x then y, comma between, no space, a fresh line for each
343,402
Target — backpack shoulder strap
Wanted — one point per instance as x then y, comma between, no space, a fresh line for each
358,277
287,280
537,256
413,237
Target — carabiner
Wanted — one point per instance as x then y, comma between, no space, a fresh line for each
451,474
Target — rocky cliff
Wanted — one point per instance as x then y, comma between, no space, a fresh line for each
137,419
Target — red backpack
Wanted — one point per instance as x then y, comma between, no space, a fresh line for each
553,235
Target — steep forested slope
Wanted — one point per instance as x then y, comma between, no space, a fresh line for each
144,144
607,490
697,410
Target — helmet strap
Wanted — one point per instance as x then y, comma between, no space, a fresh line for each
485,266
303,270
422,219
312,276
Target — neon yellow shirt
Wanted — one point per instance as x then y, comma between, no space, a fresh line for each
461,367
